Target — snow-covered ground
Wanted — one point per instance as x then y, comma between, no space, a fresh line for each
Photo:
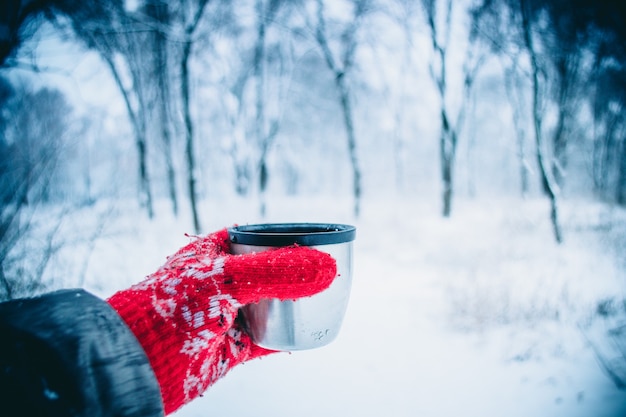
481,314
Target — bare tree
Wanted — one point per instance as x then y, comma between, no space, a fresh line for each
190,25
608,100
254,92
117,37
591,32
620,154
547,174
550,36
33,126
515,96
609,155
232,101
398,90
265,132
450,123
158,17
341,67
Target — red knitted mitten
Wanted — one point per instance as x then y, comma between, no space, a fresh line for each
184,314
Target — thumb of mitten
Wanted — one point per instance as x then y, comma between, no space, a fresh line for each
283,273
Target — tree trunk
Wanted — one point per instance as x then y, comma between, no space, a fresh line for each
190,28
447,154
346,109
447,150
567,65
161,64
189,139
621,177
559,147
340,72
8,288
105,28
259,123
448,133
516,105
544,166
265,132
145,194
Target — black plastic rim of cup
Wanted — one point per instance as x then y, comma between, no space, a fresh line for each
286,234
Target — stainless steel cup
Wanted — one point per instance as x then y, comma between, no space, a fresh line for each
309,322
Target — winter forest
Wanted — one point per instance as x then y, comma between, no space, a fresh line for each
479,146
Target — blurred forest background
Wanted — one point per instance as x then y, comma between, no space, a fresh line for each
191,100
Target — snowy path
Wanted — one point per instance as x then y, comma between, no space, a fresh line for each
393,359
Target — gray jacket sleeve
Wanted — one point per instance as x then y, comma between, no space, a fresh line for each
68,353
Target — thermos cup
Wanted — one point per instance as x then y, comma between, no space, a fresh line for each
309,322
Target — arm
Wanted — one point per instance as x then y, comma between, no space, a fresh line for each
153,347
69,353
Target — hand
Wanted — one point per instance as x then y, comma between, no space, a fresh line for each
184,314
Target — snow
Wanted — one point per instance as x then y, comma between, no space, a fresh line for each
481,314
